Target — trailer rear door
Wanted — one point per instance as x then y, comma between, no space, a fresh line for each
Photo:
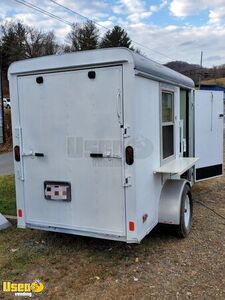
72,149
209,124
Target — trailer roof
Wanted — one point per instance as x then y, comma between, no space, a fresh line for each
142,65
160,72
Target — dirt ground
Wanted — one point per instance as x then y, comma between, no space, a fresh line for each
161,267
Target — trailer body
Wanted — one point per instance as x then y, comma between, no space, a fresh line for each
101,137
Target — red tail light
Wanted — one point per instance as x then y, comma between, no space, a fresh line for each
131,226
17,153
20,213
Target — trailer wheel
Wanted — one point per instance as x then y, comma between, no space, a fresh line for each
186,213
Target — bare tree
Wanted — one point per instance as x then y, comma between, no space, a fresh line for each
40,43
18,42
73,38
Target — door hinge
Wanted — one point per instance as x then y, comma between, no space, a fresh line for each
127,181
126,132
17,133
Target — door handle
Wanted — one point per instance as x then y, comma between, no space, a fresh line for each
119,106
96,155
39,154
104,155
32,153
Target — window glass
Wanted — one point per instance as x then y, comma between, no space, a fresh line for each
168,141
167,124
167,107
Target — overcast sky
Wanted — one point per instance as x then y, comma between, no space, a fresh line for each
173,29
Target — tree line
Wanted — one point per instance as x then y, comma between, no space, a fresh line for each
19,41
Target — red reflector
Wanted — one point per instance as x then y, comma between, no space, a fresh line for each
17,153
131,226
20,213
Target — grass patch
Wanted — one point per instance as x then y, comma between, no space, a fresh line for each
219,81
7,195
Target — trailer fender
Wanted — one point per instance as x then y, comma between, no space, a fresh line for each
170,201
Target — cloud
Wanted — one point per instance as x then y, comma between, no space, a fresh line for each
118,9
156,8
134,6
96,10
135,10
181,43
217,16
184,8
176,42
188,43
213,58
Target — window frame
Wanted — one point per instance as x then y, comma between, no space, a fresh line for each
163,124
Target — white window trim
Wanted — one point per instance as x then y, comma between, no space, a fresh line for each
169,158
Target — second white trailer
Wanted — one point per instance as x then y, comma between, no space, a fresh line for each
106,142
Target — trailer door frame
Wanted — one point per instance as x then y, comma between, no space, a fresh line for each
85,219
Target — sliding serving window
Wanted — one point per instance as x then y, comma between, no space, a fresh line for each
167,124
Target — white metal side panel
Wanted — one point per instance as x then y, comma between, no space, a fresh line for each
147,153
208,134
67,117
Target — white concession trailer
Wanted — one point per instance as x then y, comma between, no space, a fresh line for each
108,143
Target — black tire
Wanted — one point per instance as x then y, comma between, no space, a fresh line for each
183,229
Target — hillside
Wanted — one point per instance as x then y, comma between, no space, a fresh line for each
196,72
217,81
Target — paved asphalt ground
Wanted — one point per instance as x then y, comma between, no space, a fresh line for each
6,164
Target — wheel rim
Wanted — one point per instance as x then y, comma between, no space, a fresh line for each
187,211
